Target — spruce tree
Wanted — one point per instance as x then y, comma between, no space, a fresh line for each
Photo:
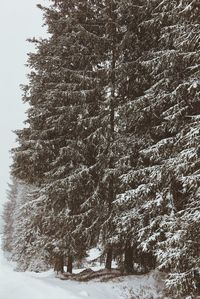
162,184
28,247
9,216
57,150
120,20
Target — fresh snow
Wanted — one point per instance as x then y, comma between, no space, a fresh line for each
93,254
17,285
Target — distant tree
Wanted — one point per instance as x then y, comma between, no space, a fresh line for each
9,210
27,232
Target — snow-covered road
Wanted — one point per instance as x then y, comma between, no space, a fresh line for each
28,285
15,285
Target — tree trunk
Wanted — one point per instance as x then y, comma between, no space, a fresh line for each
109,258
128,259
69,264
112,129
59,264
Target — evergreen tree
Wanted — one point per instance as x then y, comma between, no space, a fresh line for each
8,217
56,152
73,138
162,184
27,231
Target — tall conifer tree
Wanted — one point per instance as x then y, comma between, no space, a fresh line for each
162,185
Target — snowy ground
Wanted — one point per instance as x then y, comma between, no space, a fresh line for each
14,285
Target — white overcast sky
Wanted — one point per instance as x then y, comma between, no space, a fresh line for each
19,20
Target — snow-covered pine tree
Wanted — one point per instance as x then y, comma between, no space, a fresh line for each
180,36
8,216
57,151
21,231
88,149
120,19
59,93
163,184
82,75
132,80
27,231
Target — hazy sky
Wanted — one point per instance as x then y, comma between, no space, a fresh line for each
19,20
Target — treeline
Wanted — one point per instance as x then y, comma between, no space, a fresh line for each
110,154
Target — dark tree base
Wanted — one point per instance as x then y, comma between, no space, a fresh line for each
109,259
